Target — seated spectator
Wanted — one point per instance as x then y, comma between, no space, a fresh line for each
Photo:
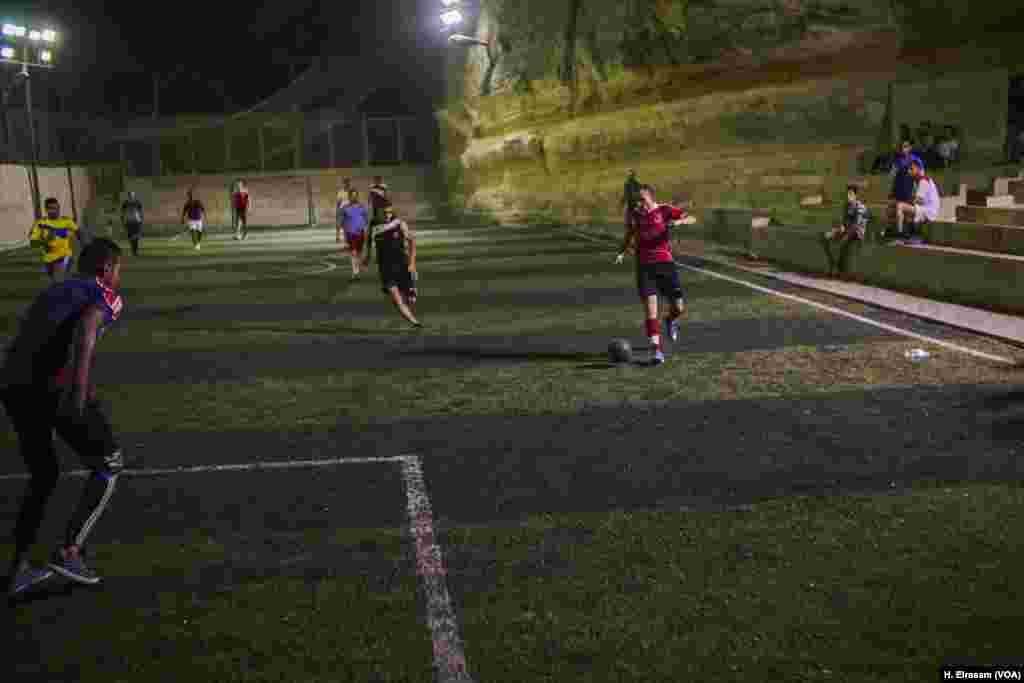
954,142
852,229
903,181
924,207
944,151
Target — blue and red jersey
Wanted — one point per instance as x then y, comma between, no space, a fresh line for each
41,351
653,236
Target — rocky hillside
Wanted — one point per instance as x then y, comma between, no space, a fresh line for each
707,97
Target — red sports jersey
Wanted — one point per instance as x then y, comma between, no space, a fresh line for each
241,200
653,239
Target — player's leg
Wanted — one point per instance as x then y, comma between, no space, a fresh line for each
647,288
403,308
671,287
92,438
245,223
31,416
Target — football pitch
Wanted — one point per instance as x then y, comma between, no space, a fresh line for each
317,492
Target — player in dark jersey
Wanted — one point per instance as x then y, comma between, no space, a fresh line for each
131,214
379,200
46,386
194,215
656,271
396,262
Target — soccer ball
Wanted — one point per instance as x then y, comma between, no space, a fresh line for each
619,351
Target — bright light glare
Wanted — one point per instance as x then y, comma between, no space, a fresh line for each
449,3
50,36
35,35
12,30
7,52
451,17
46,56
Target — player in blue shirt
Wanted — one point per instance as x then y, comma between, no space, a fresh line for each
46,386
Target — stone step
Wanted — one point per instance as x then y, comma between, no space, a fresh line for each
1001,186
974,236
984,198
990,215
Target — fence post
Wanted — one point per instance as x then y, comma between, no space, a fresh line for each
311,213
366,140
400,140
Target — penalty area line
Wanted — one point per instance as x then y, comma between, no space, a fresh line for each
838,311
448,651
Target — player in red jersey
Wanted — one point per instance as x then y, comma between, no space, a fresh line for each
656,271
240,203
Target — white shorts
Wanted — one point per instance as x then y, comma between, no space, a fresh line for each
919,214
197,226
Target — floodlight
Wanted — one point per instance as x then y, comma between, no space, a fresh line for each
50,36
46,56
449,3
12,30
35,35
19,31
451,17
7,52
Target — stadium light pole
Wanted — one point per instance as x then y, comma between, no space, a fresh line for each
29,48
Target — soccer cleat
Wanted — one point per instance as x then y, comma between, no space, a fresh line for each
672,329
658,358
74,569
26,578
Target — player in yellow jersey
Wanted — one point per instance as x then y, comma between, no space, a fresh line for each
54,234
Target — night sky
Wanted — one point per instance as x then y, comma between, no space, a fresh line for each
230,60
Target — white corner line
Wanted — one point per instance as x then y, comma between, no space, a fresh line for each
840,312
449,655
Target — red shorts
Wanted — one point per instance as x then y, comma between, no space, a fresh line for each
355,242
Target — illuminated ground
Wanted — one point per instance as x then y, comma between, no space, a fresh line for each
788,498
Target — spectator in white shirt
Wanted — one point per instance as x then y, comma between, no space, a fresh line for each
927,203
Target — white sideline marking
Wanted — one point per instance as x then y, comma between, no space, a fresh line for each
840,312
449,655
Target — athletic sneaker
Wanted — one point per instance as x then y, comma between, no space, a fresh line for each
74,569
238,237
658,358
198,247
672,329
28,577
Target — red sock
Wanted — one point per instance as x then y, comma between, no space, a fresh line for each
653,332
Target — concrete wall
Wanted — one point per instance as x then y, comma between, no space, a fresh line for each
280,199
16,212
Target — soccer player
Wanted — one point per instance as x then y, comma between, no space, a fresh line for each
379,199
131,214
53,234
353,220
194,214
240,203
630,197
396,261
46,386
656,271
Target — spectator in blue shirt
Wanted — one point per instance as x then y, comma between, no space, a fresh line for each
353,219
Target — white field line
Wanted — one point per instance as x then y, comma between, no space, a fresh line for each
840,312
449,655
241,467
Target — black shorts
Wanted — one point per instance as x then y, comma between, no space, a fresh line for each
133,229
394,272
659,278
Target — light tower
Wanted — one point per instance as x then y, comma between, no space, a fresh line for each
29,48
